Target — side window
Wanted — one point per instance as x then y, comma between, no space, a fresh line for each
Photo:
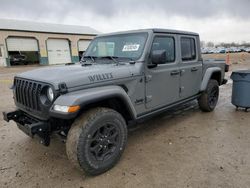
165,43
1,53
188,49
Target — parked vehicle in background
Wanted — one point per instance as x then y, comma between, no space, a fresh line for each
222,51
247,50
123,78
217,50
213,50
242,49
208,50
233,50
18,59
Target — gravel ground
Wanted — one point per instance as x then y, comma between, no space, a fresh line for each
181,148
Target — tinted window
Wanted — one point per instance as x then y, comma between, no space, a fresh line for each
165,43
188,49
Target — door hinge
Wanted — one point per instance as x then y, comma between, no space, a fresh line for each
148,78
148,98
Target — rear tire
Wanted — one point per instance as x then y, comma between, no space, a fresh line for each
209,98
96,140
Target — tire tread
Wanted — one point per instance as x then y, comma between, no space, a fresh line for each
78,131
203,99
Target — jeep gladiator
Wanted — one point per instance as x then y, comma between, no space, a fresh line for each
122,78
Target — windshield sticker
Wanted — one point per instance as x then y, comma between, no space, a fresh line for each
131,47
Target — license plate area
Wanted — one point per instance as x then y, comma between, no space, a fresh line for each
30,125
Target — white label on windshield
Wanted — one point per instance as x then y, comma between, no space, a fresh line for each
131,47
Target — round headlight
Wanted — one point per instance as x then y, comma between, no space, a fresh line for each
50,94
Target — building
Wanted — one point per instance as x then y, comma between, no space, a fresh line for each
42,43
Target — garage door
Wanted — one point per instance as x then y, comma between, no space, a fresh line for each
22,44
83,45
58,51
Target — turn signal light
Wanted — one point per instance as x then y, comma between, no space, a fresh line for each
73,109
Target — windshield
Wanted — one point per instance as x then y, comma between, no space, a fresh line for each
123,46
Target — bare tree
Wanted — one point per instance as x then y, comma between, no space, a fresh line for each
210,44
203,44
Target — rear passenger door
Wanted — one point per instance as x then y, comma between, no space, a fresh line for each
190,67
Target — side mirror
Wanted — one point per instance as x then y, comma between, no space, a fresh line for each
159,57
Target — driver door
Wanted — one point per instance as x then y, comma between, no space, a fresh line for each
163,80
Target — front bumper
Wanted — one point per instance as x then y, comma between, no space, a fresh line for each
29,125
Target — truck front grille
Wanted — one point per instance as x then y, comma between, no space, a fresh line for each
27,93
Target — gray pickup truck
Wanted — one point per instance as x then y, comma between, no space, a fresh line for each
122,78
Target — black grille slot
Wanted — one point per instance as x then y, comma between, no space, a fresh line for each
27,93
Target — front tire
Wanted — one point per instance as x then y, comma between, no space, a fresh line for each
209,98
96,140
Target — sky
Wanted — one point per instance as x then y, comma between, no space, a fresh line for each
215,20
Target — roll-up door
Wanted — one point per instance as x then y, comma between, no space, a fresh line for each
22,44
58,51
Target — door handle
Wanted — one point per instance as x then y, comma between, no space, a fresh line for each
175,73
182,72
194,69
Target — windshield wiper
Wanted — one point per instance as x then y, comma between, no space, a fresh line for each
90,57
113,58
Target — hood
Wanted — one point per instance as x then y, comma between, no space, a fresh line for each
78,75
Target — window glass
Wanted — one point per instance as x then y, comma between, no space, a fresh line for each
122,46
188,49
105,49
165,43
1,55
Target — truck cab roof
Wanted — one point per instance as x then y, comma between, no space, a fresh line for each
153,30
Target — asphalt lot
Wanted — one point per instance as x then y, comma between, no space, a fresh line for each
180,148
